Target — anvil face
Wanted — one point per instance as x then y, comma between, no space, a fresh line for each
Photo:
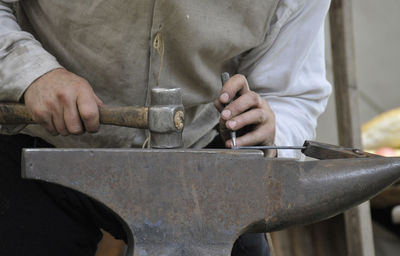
197,202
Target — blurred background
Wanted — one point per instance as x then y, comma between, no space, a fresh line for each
377,41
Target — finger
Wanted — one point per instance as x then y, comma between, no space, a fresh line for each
88,111
71,118
229,143
50,127
236,85
251,117
262,135
243,103
218,105
58,121
44,119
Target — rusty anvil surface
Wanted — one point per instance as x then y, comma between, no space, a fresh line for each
197,202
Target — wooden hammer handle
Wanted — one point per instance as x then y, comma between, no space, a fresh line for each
13,113
132,116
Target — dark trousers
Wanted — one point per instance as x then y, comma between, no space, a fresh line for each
44,219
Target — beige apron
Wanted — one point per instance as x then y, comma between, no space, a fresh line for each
126,47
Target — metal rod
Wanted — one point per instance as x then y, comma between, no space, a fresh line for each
224,78
273,147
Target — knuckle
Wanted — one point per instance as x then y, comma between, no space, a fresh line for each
255,98
234,109
83,86
66,95
239,123
260,119
260,114
92,128
89,115
82,81
76,130
50,104
264,113
240,77
40,115
62,96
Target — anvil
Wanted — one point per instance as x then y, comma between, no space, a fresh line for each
185,202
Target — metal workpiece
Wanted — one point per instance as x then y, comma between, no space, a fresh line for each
197,202
166,118
320,150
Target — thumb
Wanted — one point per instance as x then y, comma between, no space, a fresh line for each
99,102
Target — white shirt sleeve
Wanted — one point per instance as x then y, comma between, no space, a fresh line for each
291,74
22,58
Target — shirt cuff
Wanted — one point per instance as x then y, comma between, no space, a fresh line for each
23,65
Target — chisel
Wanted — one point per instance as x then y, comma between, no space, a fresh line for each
224,78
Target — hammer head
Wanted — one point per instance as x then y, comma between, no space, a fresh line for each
166,118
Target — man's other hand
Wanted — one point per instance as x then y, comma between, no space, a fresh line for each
247,110
63,103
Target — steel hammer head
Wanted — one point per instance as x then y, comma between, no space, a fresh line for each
166,118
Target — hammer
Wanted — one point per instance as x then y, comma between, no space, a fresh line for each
164,118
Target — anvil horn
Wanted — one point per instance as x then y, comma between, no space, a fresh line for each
318,190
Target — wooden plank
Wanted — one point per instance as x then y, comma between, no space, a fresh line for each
323,238
344,72
358,220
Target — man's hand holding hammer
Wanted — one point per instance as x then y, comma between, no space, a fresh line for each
63,103
248,109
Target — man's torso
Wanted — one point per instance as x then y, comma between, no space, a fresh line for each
125,48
